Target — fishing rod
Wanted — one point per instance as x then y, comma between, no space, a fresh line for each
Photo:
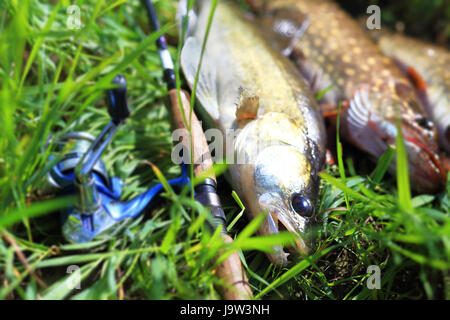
231,270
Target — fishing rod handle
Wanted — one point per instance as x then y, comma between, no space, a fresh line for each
231,270
237,286
202,157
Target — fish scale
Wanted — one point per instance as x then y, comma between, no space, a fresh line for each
336,47
335,55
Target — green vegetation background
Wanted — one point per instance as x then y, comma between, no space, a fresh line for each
53,81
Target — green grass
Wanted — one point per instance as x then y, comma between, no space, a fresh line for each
53,81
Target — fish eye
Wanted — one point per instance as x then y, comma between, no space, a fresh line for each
301,205
425,123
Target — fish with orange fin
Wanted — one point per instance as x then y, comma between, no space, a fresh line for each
334,54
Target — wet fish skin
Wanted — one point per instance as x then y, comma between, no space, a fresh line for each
334,53
283,145
432,65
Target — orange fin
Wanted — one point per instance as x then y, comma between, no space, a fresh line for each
247,107
330,158
417,79
328,110
331,110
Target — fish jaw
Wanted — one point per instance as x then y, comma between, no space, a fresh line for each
282,218
370,123
426,168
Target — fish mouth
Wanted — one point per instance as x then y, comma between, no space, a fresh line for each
428,173
278,223
375,133
426,166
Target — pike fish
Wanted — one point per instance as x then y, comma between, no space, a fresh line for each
246,86
335,55
428,66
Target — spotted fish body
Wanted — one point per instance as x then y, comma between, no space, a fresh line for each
245,85
429,67
336,55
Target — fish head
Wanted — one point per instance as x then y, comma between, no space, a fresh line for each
284,183
372,119
426,164
287,193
